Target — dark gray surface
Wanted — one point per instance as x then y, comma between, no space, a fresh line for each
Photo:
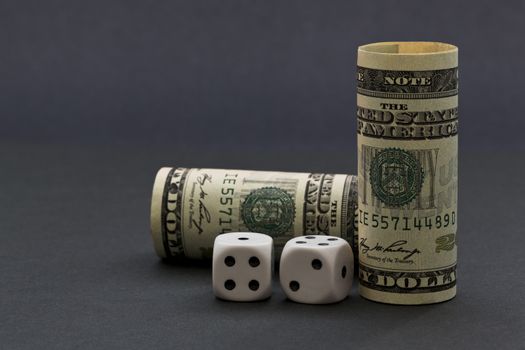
78,268
95,96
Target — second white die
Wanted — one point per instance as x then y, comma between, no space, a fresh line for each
242,266
316,269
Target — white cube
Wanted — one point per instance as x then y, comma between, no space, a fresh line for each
242,266
316,269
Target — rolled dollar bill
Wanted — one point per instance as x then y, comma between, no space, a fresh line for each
407,122
190,207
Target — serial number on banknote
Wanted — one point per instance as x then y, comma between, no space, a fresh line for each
403,223
226,201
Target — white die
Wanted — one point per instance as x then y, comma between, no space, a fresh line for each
242,266
316,269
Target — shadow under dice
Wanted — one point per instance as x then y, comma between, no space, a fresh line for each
316,269
242,266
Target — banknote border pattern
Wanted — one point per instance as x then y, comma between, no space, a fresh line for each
396,275
164,211
444,83
348,209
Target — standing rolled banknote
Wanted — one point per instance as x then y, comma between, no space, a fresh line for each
407,121
190,207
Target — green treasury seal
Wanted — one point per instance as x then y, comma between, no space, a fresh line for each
396,176
268,210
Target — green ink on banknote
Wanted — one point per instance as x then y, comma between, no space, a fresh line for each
396,176
268,210
445,242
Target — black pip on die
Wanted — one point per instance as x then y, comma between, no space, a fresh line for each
242,266
316,269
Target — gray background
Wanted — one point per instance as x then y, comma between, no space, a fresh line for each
95,96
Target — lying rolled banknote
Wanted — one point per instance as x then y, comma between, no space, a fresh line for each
190,207
407,122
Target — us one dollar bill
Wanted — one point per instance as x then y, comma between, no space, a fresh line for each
407,125
190,207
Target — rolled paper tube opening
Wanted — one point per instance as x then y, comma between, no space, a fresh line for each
408,48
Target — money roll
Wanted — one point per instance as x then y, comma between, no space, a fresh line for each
191,206
407,126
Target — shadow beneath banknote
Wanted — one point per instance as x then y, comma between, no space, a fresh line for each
185,262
